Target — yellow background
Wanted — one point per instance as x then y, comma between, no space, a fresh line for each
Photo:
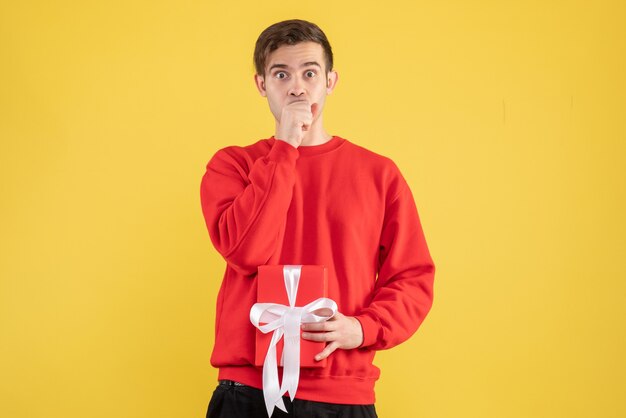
506,118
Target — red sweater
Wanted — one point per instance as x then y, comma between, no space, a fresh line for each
336,204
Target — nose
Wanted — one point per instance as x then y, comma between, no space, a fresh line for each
297,88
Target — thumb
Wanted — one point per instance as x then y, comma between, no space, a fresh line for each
315,109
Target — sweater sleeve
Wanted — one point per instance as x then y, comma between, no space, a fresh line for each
243,210
403,293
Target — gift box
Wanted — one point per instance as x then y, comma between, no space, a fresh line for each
313,284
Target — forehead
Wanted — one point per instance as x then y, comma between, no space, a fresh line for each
293,56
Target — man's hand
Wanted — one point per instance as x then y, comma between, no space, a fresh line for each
296,118
341,331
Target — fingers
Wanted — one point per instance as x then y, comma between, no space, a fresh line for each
320,326
330,348
308,110
327,312
320,336
300,106
295,118
331,331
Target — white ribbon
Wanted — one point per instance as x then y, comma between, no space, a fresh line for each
286,320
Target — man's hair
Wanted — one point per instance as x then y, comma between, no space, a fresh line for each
289,32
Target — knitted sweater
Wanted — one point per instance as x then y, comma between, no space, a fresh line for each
336,204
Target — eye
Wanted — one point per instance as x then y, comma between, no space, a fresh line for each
311,72
278,73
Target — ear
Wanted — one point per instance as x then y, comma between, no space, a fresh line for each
331,81
259,82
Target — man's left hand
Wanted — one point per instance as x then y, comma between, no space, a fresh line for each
340,331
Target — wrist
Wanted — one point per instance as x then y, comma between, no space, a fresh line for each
370,329
283,138
359,332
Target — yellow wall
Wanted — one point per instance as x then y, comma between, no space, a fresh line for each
507,119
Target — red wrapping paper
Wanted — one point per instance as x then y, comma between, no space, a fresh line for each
271,289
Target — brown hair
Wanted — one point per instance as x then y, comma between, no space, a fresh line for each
289,32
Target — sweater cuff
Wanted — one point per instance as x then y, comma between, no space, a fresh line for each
283,151
370,328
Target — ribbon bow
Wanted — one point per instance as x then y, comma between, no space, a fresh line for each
286,320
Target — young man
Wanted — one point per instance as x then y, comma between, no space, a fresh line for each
304,196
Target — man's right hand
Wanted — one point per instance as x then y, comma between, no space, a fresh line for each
296,118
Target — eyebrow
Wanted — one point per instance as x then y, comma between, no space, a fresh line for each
306,64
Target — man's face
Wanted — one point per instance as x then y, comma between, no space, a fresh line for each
293,73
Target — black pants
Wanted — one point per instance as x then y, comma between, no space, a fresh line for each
240,401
